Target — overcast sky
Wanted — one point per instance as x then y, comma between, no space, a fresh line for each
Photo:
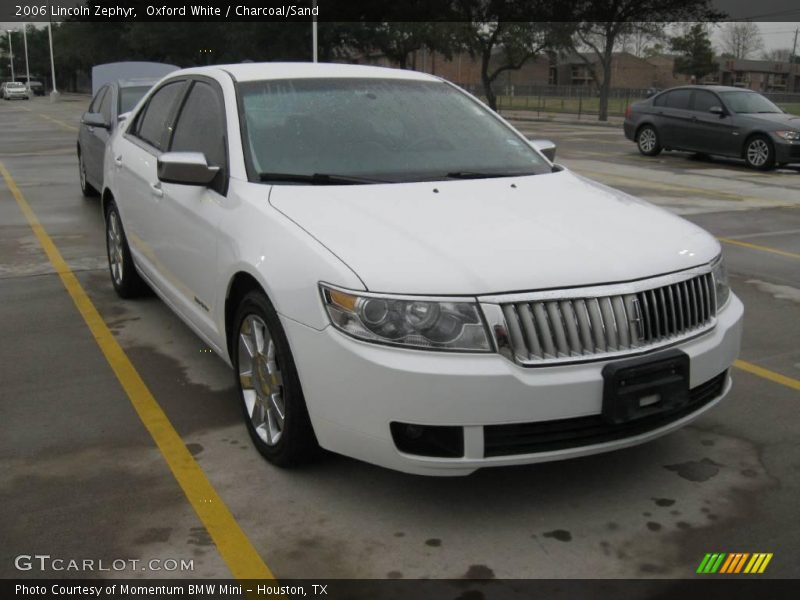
775,35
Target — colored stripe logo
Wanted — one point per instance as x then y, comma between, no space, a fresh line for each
734,563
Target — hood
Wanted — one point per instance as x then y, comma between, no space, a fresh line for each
779,120
494,235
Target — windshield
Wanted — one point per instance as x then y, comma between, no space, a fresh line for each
129,96
16,85
749,102
383,130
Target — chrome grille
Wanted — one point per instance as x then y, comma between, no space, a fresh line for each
573,325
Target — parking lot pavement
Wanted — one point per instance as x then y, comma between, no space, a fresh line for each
80,474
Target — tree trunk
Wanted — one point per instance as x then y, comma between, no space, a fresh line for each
491,97
605,86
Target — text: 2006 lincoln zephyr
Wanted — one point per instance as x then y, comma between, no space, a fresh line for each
397,275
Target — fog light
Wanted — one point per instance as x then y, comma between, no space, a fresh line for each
429,440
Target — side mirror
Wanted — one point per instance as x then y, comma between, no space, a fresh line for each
717,110
123,117
187,168
94,120
546,147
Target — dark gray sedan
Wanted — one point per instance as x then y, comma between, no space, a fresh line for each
97,124
719,120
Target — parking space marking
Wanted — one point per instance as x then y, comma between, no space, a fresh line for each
51,119
767,374
232,543
758,247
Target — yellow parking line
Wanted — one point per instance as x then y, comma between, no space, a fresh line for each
767,374
232,543
758,247
51,119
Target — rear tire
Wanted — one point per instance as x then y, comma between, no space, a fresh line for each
269,389
86,188
647,141
126,280
759,153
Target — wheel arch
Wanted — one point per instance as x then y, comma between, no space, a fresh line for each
750,136
240,284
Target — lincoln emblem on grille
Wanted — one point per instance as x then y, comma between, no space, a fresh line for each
636,319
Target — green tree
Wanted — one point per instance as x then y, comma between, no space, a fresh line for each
696,53
604,21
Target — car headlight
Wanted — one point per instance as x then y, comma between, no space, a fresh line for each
789,135
414,322
723,290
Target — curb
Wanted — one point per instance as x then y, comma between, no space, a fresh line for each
565,121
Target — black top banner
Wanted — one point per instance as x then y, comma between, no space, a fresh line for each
396,10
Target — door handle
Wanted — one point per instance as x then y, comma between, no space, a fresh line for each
155,189
118,160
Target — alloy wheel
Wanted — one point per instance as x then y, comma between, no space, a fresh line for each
757,152
115,247
647,140
261,380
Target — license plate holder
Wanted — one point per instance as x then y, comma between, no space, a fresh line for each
643,387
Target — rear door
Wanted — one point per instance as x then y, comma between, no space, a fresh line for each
714,132
672,109
191,213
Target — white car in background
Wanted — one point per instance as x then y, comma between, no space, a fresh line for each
396,274
10,90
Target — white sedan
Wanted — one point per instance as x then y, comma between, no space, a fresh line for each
396,274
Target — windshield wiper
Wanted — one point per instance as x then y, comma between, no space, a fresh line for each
485,175
318,178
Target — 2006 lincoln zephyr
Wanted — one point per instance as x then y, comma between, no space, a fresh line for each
397,275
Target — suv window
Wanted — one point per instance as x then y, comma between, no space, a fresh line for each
98,99
704,100
152,124
678,99
201,125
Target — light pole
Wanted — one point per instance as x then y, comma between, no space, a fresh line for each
27,66
314,31
11,54
54,95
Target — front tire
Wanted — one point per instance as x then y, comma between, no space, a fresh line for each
126,280
647,141
269,388
759,153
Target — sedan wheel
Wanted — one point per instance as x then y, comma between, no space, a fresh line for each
759,154
269,388
260,379
647,141
126,281
86,189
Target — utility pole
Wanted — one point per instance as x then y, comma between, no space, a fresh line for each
792,59
11,54
54,95
27,66
314,31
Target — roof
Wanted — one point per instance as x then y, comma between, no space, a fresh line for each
299,70
713,88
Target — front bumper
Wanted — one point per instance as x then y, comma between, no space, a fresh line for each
786,151
17,95
354,390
